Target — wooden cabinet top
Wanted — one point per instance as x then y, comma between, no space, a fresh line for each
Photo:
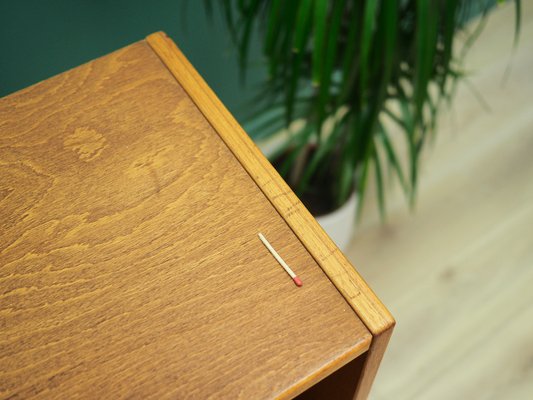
130,263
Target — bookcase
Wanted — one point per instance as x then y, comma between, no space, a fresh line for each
130,207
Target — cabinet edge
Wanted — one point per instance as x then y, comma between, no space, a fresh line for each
334,264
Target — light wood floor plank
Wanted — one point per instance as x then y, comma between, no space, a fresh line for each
458,273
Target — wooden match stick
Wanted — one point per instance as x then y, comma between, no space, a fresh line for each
282,262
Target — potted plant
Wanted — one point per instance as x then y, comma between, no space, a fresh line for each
341,73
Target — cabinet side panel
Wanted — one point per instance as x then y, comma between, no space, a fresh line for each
372,362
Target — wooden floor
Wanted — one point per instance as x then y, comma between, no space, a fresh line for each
458,273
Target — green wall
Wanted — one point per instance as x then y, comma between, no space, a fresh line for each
41,38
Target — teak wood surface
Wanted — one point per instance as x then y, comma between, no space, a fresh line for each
332,261
129,259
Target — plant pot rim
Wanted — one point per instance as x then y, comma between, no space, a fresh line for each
340,223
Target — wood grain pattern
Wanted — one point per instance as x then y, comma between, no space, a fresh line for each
340,385
334,264
371,364
129,259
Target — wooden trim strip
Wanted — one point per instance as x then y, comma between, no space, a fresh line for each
342,274
372,362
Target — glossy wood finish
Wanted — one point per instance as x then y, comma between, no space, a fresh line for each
332,261
129,259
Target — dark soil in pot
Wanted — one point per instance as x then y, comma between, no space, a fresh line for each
318,196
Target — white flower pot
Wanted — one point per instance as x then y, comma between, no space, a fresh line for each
340,224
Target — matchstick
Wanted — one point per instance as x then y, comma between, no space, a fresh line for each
282,262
